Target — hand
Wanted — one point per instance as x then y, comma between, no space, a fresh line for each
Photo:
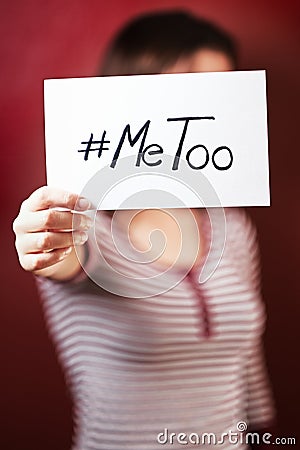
44,234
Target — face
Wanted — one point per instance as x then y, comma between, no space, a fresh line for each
140,228
204,60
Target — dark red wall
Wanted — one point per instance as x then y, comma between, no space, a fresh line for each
64,38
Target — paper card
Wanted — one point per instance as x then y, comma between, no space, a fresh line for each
152,141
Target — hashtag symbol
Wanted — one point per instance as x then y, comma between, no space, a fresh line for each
91,143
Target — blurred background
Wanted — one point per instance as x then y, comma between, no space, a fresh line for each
66,38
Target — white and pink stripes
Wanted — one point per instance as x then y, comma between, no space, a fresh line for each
189,359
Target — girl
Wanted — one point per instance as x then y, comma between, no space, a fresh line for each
150,362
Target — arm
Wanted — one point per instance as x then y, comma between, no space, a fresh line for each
46,237
260,404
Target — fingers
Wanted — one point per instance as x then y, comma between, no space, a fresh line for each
49,197
44,227
37,261
48,241
50,219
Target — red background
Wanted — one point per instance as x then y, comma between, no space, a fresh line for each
56,38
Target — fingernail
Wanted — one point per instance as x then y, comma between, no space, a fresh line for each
67,251
83,204
80,238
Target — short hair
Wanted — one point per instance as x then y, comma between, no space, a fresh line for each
152,42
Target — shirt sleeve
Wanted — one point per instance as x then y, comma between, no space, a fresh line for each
242,234
260,403
259,396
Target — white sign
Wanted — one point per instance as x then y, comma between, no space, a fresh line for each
144,141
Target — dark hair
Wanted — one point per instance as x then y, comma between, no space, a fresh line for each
152,42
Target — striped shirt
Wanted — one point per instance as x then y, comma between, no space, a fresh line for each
184,358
